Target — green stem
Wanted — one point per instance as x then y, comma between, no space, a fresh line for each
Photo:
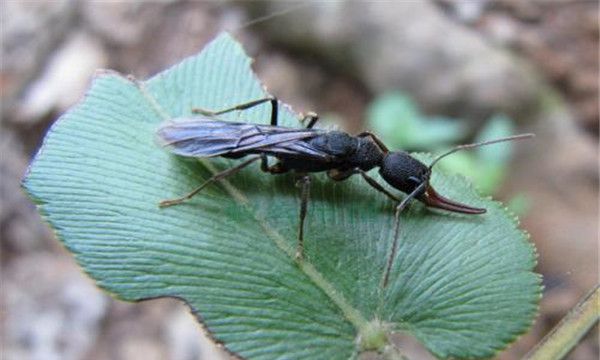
569,330
393,353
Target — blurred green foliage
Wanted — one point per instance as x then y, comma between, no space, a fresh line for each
401,124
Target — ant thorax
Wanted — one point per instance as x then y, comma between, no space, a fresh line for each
367,155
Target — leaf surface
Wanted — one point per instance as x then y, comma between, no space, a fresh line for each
463,285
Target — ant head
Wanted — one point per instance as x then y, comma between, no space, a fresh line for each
404,172
411,176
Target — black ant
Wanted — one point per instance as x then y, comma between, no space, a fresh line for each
308,150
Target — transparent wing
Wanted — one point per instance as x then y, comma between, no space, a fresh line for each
206,137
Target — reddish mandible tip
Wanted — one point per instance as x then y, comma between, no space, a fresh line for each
435,200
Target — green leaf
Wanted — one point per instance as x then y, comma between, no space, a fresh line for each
463,285
403,126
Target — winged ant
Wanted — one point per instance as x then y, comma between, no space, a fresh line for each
307,150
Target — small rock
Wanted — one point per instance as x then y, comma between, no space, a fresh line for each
65,78
53,310
187,340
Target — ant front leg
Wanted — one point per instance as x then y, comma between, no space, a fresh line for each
377,186
340,175
244,106
394,249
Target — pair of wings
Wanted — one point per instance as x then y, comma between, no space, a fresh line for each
202,136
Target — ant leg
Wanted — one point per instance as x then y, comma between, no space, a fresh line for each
394,249
377,186
264,163
219,176
312,119
244,106
274,111
277,168
339,175
305,183
375,139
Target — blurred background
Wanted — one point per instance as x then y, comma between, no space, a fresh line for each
424,74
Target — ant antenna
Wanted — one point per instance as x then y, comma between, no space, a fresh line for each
264,18
483,143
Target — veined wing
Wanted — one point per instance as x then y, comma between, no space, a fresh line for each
206,137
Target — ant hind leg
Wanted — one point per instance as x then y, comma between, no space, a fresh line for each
219,176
